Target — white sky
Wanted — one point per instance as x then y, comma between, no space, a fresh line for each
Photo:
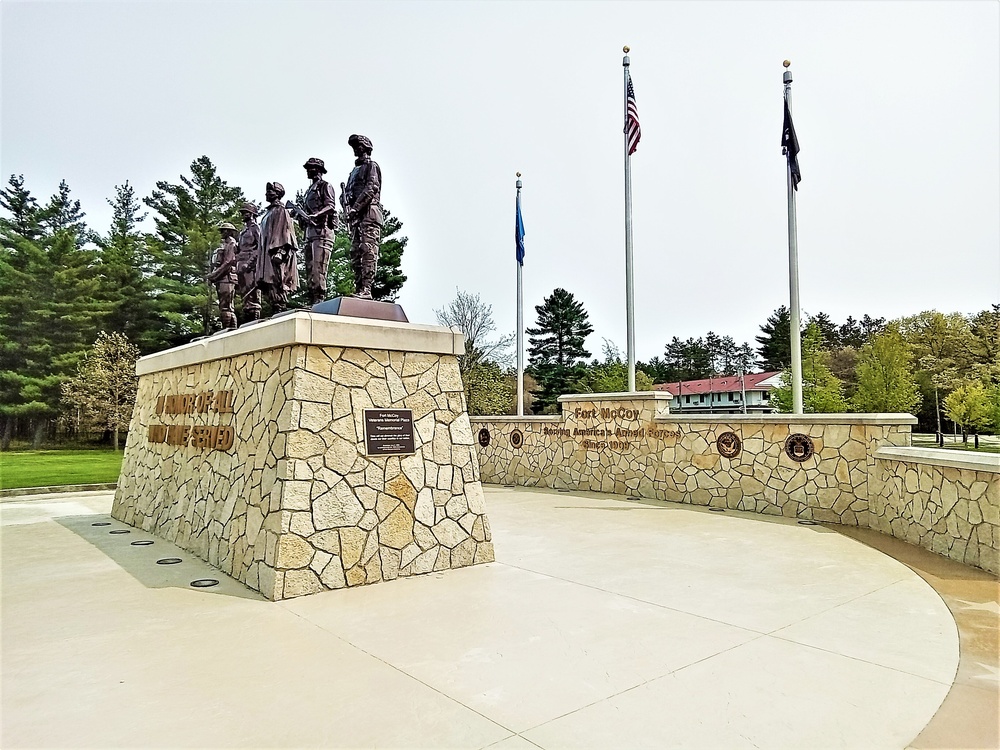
896,105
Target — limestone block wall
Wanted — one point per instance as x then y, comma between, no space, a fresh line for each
293,505
631,444
945,501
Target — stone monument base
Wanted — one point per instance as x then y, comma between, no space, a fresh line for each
308,452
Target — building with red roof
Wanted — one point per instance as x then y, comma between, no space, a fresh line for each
727,394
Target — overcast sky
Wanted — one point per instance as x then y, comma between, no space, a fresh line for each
896,105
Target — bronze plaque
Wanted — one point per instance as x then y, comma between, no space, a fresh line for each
517,438
389,432
729,444
484,437
799,447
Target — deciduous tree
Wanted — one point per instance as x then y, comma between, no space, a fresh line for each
474,318
969,407
885,378
822,392
941,347
102,393
611,374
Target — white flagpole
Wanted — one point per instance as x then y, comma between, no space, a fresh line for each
793,268
520,323
629,293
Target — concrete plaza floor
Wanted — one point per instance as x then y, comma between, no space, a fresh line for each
604,623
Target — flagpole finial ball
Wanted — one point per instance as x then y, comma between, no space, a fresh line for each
786,63
625,49
518,174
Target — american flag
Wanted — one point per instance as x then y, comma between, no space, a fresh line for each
632,131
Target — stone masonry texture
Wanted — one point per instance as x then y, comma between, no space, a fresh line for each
952,511
636,448
295,506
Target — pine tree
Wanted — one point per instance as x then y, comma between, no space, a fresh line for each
389,277
828,330
64,214
24,211
121,254
687,360
24,352
775,348
49,308
180,253
556,346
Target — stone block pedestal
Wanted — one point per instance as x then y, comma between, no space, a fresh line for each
248,449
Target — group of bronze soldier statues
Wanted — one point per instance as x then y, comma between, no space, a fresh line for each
262,261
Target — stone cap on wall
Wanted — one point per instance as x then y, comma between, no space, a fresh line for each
526,418
954,459
877,419
636,396
305,328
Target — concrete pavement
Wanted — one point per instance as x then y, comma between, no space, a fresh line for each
604,623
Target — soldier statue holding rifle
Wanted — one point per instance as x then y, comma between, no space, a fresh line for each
247,261
361,195
223,274
318,217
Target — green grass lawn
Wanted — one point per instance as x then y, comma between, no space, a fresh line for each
987,443
49,468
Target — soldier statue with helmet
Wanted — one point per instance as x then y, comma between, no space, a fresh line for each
318,217
362,195
248,251
223,274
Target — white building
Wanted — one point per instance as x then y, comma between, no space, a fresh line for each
730,394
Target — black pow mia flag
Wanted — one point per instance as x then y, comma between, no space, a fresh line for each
790,147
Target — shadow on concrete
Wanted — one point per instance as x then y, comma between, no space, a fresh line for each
652,504
140,561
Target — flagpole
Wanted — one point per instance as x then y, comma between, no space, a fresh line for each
793,268
629,291
520,322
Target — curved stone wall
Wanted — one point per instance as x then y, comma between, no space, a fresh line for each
945,501
833,471
631,444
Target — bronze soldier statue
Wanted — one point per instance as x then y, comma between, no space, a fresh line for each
223,274
364,214
319,220
277,262
248,244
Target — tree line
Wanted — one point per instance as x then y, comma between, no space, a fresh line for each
77,303
940,367
63,282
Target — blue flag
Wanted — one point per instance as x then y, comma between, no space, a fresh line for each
519,232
